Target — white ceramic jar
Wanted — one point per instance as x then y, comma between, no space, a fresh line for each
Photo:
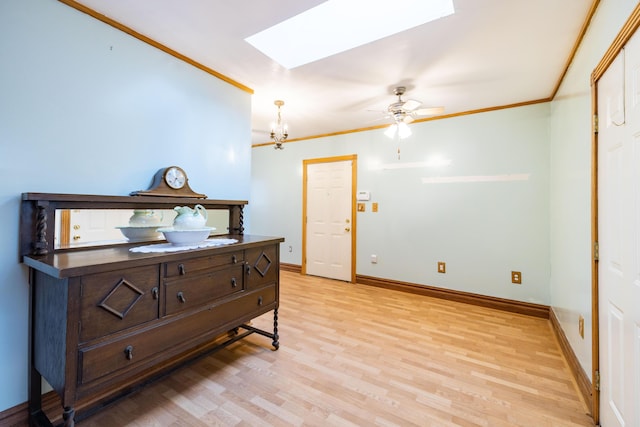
145,218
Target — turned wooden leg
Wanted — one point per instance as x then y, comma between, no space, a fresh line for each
68,417
275,342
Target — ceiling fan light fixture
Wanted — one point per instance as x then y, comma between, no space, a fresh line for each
400,128
403,130
391,131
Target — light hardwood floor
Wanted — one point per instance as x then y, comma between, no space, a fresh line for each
354,355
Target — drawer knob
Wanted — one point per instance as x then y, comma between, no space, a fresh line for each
154,293
259,300
234,259
181,270
234,282
181,297
128,351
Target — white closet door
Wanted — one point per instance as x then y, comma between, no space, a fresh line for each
619,238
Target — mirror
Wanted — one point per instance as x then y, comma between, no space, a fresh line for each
95,227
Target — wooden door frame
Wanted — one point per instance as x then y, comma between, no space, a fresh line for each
354,169
65,228
627,31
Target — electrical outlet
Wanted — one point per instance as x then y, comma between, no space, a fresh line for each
442,267
374,207
581,326
516,277
374,259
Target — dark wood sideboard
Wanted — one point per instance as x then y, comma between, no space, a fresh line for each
105,321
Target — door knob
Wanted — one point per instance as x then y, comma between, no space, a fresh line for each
347,229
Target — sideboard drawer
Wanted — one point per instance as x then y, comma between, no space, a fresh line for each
101,360
181,294
116,300
192,266
253,303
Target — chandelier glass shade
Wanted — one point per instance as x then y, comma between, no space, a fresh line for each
279,131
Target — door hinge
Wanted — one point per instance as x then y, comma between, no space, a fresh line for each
595,123
597,380
596,251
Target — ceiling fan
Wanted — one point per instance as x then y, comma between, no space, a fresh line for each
404,112
408,111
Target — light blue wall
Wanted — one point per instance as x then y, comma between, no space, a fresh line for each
482,230
571,180
86,109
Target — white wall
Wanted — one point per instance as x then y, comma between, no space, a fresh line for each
86,109
570,201
482,230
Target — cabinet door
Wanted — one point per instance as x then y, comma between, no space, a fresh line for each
262,266
117,300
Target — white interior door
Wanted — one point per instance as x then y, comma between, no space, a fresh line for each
329,219
619,239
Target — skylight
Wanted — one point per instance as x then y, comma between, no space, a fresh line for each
339,25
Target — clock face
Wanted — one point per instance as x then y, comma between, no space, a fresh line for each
175,177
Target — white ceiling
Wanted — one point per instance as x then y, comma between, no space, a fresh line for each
489,53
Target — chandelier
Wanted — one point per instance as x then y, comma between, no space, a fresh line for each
279,132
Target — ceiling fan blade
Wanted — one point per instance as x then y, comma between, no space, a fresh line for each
428,111
379,119
410,105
